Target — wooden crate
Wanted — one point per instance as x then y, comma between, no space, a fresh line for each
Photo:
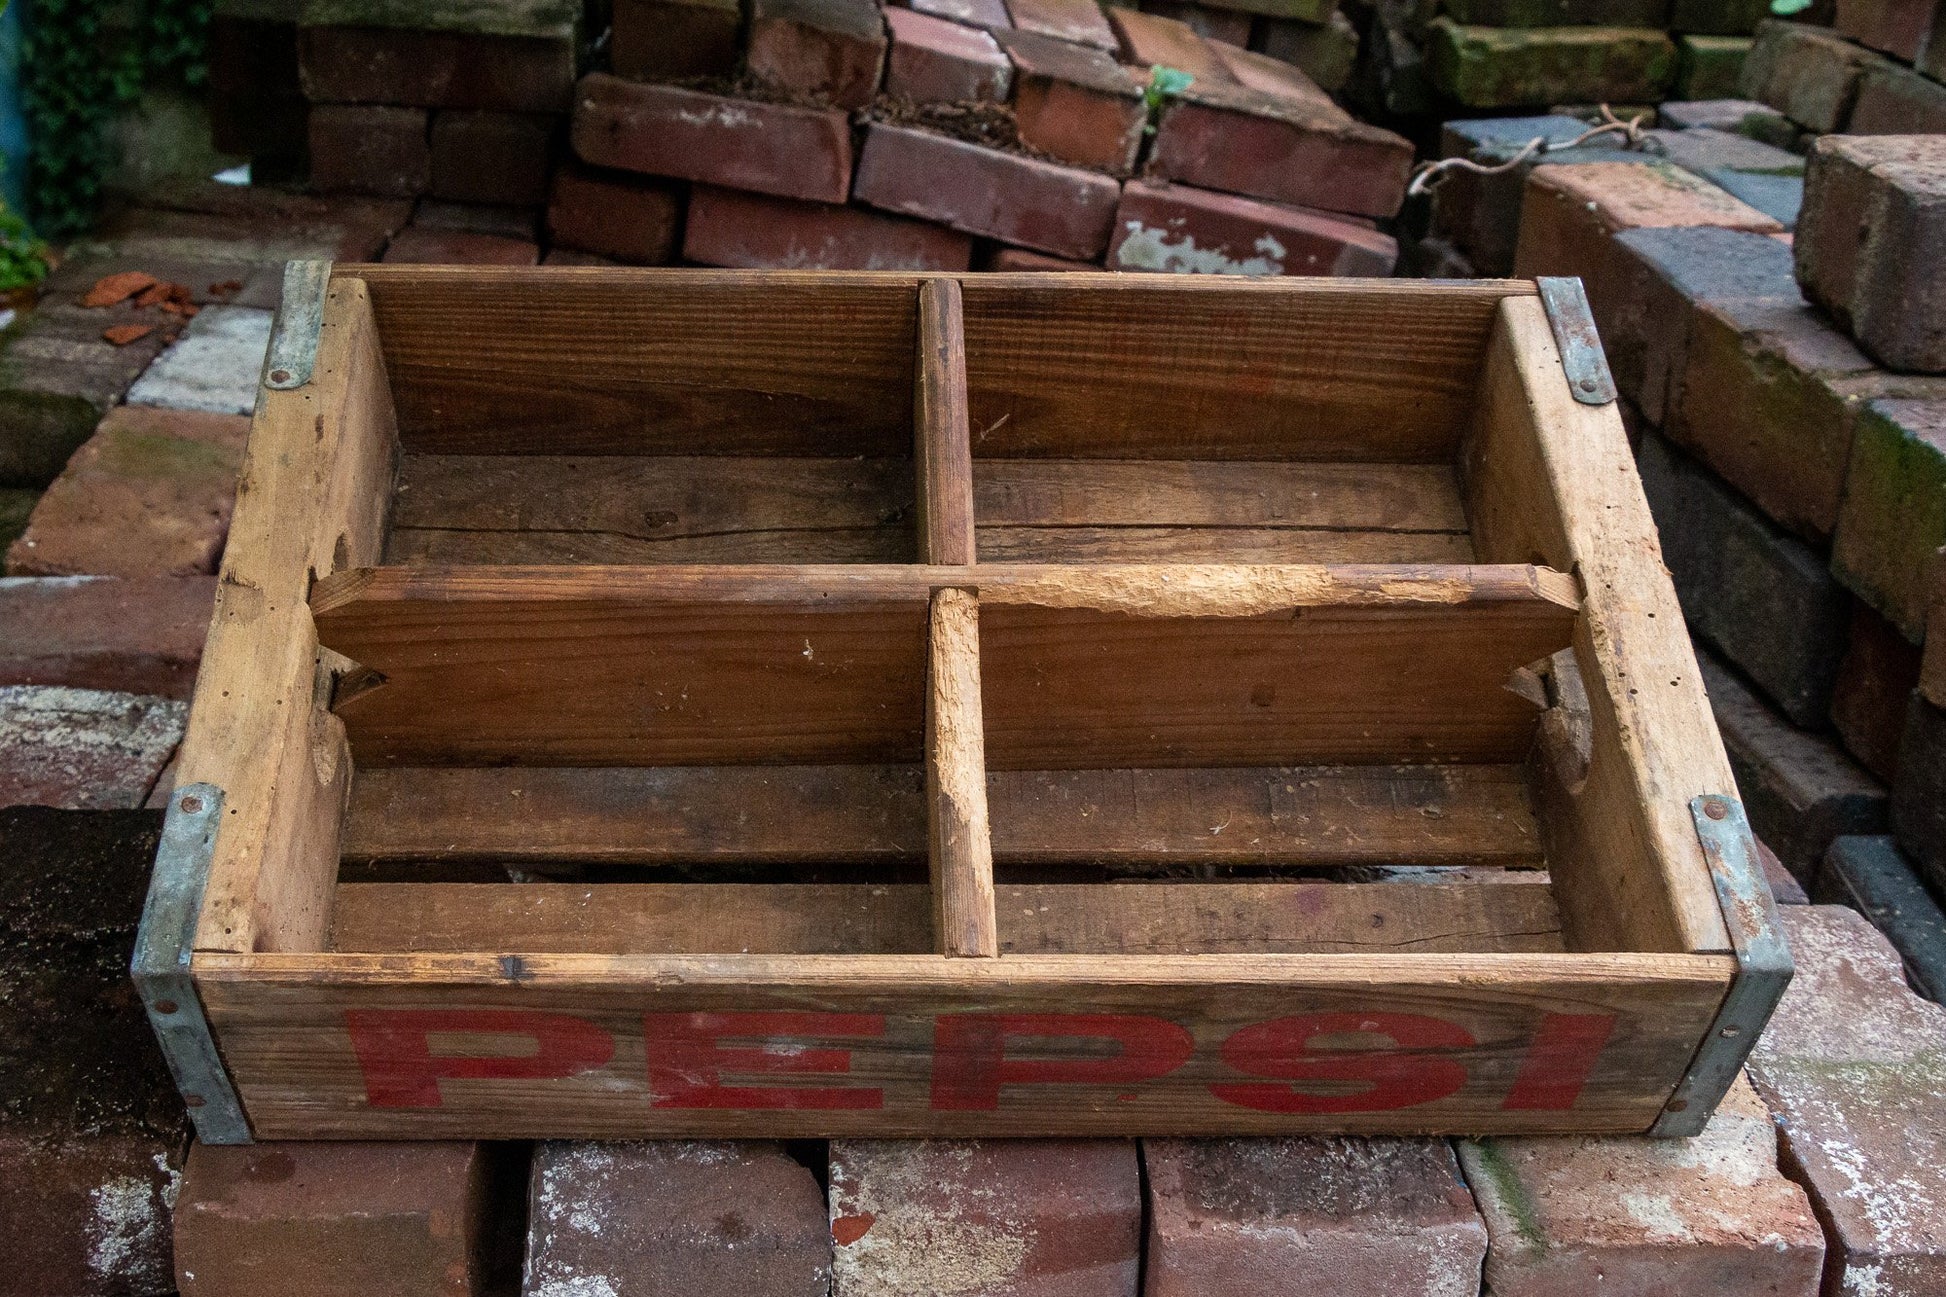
607,730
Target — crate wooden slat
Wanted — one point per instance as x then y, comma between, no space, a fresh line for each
652,703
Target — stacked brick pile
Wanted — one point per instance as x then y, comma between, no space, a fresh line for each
838,133
1879,71
1791,408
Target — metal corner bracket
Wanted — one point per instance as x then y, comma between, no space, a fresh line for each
1763,965
160,967
1573,322
293,349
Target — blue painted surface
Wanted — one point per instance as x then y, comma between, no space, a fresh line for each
13,119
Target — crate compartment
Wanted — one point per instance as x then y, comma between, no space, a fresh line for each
720,426
1079,819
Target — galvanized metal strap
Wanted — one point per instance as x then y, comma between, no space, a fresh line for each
1763,965
293,349
1573,322
160,967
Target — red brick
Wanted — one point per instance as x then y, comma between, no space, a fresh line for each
1018,259
86,1215
148,495
728,227
347,228
1572,1216
1018,200
671,1216
1891,527
83,749
305,1219
614,214
522,223
1874,687
832,50
990,15
1231,25
361,149
1010,1218
1569,214
672,39
419,245
1080,21
1278,137
137,635
1149,40
1873,228
489,157
1810,74
1075,103
1347,1217
1895,100
436,69
934,60
1195,231
1782,883
1895,27
1850,1067
737,143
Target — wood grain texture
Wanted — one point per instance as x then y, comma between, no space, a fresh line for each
544,509
960,836
315,485
943,452
1080,667
485,362
1551,480
1324,816
281,1020
1065,510
853,918
1310,371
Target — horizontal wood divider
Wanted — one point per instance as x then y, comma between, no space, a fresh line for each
854,918
1320,816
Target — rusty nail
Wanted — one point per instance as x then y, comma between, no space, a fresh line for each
1587,384
1678,1105
1715,809
193,1100
165,1006
192,804
280,375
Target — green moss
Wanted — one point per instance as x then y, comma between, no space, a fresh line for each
1488,1164
1494,67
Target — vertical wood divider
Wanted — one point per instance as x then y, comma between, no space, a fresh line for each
961,842
943,451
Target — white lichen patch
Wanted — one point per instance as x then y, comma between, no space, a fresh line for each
925,1237
1146,247
127,1226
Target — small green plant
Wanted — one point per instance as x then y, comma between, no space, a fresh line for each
23,258
1164,82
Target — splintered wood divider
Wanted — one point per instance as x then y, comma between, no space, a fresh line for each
944,454
956,781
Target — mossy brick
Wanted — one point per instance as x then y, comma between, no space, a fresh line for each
1894,100
829,51
1932,670
1023,1217
58,377
135,635
16,506
1396,77
148,495
1663,275
1278,137
1310,11
555,20
1710,67
1351,1217
1737,116
1481,213
1761,598
1770,397
1504,67
1853,1068
1876,678
307,1219
1570,216
1800,788
1895,27
1893,521
655,40
1810,74
420,65
1558,13
1875,231
1872,876
1762,175
1932,58
1326,52
1919,797
1717,17
706,1219
1076,104
1614,1214
781,149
